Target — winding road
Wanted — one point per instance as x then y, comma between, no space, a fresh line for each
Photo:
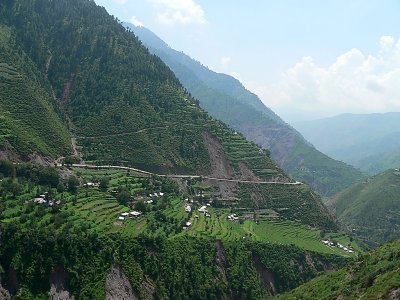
180,176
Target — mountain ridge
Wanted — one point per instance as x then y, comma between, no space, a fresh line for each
367,141
225,98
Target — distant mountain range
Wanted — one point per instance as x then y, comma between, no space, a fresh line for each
225,98
370,142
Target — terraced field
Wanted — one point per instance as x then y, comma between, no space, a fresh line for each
99,210
272,230
28,120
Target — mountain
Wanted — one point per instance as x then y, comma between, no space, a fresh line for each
372,276
30,124
371,208
226,99
165,202
124,106
370,142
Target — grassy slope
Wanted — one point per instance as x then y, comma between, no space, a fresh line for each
28,118
371,208
373,276
226,99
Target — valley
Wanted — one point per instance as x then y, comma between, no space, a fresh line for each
129,172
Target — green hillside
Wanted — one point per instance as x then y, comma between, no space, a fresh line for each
76,231
226,99
66,228
373,276
370,142
29,122
126,107
371,209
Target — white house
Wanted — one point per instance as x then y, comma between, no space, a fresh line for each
135,214
203,209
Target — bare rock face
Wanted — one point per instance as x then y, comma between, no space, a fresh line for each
393,294
4,294
118,286
267,277
57,285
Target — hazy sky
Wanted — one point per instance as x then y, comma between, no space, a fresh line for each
304,58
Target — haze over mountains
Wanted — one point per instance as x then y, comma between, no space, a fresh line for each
225,98
370,142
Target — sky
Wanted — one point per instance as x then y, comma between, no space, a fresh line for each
305,59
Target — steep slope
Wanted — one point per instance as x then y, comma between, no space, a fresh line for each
373,276
128,108
226,99
29,122
71,240
370,142
371,209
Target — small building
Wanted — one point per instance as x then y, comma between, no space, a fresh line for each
125,214
188,208
135,214
39,200
203,209
188,224
121,218
233,217
149,201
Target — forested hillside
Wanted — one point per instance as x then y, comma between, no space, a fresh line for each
371,209
226,99
375,275
29,119
66,237
126,107
241,228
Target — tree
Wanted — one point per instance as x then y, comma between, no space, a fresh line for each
123,196
73,184
141,206
104,181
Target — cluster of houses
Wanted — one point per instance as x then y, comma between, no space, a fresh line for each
338,245
129,215
42,200
233,217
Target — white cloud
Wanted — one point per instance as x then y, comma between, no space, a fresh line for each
135,21
120,1
178,11
353,83
226,61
